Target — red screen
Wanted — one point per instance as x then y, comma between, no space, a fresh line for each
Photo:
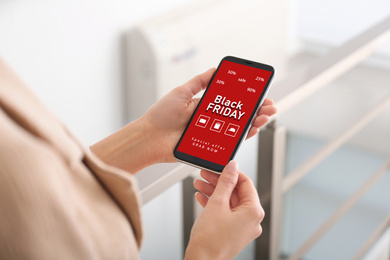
224,112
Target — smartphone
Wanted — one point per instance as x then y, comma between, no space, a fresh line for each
224,114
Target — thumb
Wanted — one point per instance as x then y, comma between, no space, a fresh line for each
200,82
226,184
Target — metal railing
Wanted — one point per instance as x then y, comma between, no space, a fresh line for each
271,158
272,184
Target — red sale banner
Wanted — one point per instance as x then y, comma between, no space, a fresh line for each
224,112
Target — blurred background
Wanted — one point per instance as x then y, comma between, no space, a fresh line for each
100,64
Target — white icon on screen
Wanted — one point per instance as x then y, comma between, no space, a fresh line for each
232,129
217,125
202,121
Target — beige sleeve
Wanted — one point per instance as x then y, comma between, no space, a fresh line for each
57,201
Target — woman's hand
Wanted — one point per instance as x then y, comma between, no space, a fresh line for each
231,217
168,117
152,138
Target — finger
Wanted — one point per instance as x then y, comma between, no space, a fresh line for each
260,121
208,189
226,184
200,82
247,191
268,102
267,110
202,199
204,187
252,132
234,200
210,177
258,231
249,198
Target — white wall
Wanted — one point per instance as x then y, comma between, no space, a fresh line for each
69,53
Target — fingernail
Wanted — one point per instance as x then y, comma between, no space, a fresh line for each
232,167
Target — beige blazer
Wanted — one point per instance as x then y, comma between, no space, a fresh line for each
57,200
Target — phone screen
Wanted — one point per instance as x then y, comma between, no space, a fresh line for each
224,113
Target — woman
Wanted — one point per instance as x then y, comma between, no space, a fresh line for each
61,200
